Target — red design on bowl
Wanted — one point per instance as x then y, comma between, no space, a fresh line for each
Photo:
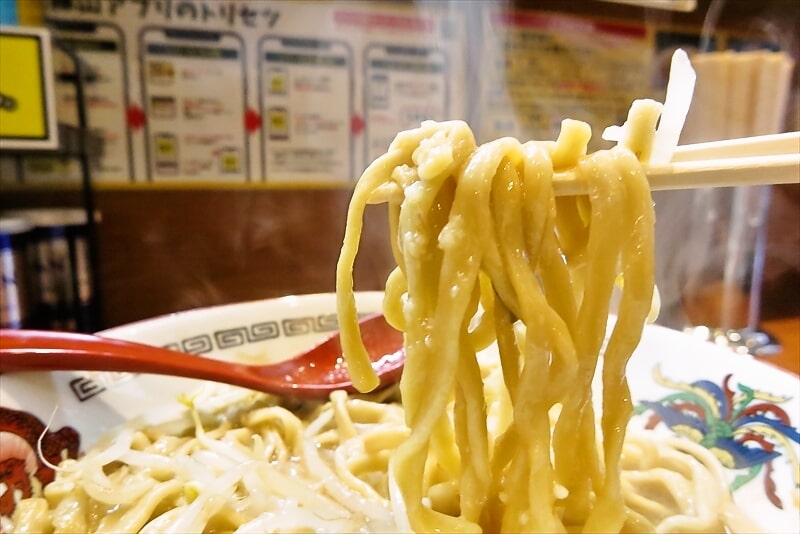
19,460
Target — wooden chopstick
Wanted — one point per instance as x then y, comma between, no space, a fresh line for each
760,160
761,145
726,172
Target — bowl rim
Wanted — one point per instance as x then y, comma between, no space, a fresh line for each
189,312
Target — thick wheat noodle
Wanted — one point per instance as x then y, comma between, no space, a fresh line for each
482,244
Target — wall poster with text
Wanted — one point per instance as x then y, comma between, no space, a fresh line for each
226,92
544,67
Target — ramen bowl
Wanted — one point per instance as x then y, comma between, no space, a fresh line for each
744,411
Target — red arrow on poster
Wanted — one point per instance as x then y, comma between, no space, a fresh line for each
252,121
356,125
135,117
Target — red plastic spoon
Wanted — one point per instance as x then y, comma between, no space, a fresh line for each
312,374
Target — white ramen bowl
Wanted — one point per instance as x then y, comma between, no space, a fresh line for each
667,362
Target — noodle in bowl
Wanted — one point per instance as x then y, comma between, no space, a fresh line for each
318,475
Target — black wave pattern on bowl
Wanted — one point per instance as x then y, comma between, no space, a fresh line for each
87,385
253,333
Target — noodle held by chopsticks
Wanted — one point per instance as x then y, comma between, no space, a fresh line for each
461,213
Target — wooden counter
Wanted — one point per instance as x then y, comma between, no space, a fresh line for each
787,332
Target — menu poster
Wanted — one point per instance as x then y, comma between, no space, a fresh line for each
194,94
275,92
307,94
403,87
100,46
546,67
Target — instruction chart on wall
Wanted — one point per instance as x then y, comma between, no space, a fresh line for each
206,92
307,94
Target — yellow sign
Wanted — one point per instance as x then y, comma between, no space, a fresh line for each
27,112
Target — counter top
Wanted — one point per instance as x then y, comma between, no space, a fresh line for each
787,332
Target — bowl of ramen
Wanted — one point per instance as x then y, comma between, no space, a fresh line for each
48,419
112,451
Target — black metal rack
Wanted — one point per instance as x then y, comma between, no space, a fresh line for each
80,143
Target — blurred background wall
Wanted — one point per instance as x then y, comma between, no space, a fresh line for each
164,248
